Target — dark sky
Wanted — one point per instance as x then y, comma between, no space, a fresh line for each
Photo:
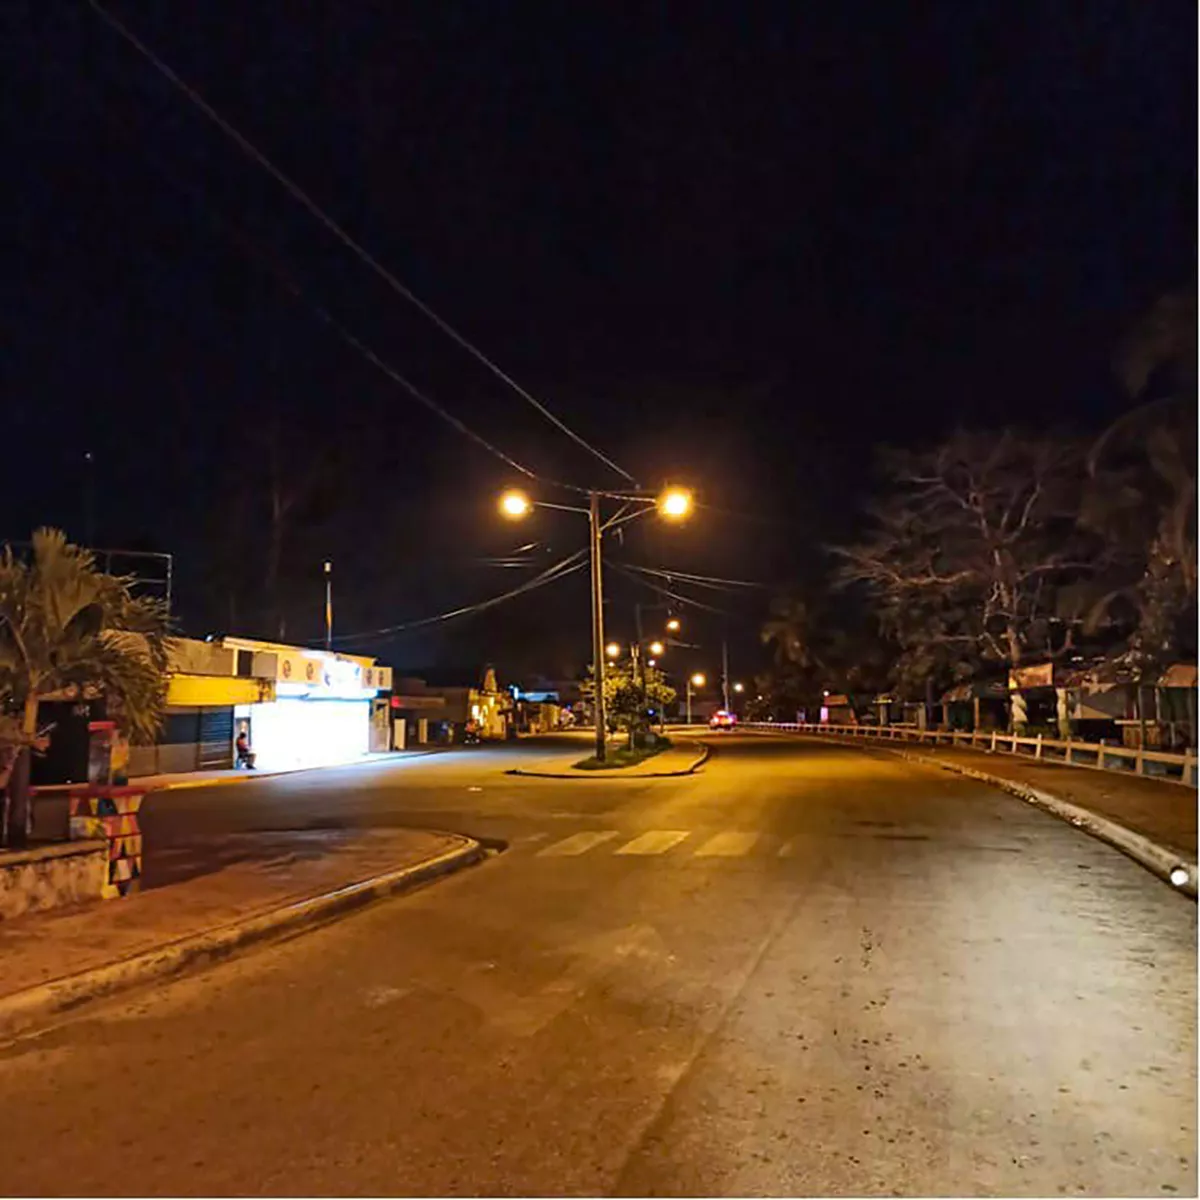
737,244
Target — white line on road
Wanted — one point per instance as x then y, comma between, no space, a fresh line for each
730,844
657,841
577,843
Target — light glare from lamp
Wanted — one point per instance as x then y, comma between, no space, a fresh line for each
675,503
515,503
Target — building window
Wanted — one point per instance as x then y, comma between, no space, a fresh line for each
245,664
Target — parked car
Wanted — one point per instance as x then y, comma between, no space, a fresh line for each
722,720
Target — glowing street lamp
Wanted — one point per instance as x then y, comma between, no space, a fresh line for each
675,503
739,687
515,504
673,625
657,649
613,650
694,681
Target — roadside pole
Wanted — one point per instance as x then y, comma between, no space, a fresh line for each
597,624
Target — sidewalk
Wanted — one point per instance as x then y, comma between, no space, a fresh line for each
192,779
222,880
682,758
1163,812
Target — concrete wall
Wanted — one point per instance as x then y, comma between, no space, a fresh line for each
51,876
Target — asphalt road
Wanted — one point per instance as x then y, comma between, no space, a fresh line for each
808,970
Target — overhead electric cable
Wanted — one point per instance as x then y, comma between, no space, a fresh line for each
302,197
551,575
269,261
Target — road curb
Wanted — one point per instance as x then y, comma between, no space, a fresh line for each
1160,860
691,769
20,1010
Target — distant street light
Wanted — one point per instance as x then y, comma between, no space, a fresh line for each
657,648
698,681
739,687
673,504
673,625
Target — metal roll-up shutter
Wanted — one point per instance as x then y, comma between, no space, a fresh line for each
216,738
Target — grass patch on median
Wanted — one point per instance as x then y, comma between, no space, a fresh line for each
624,757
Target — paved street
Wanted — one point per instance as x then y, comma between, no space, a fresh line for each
807,970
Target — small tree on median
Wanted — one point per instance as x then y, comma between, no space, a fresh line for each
627,704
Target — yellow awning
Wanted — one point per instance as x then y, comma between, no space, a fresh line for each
194,691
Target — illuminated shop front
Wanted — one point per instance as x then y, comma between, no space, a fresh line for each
322,710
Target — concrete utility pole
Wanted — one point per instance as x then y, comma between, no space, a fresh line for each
594,529
725,673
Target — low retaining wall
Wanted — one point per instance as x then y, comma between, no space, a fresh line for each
51,876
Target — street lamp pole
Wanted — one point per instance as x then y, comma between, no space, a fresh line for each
328,605
725,672
674,504
594,528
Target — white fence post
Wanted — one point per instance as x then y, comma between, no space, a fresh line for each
993,741
1038,751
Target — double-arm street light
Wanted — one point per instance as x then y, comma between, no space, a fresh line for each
672,504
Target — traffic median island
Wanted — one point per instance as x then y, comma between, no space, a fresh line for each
215,897
678,759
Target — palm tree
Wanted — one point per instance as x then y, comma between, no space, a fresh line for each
65,625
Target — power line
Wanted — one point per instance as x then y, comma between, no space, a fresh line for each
552,574
687,600
711,581
302,197
251,247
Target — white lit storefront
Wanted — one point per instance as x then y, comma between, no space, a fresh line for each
321,713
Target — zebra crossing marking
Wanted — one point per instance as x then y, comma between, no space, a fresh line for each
577,843
729,844
655,841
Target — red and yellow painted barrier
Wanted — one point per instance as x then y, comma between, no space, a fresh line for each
99,811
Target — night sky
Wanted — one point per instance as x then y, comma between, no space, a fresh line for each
737,245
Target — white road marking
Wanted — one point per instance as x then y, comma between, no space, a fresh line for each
657,841
577,843
730,844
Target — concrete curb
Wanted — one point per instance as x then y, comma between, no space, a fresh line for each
1160,860
700,760
20,1010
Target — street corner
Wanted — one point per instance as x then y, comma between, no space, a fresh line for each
58,961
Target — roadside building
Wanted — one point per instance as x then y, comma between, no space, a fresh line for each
300,707
438,706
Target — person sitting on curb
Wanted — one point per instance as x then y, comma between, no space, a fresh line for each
245,756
